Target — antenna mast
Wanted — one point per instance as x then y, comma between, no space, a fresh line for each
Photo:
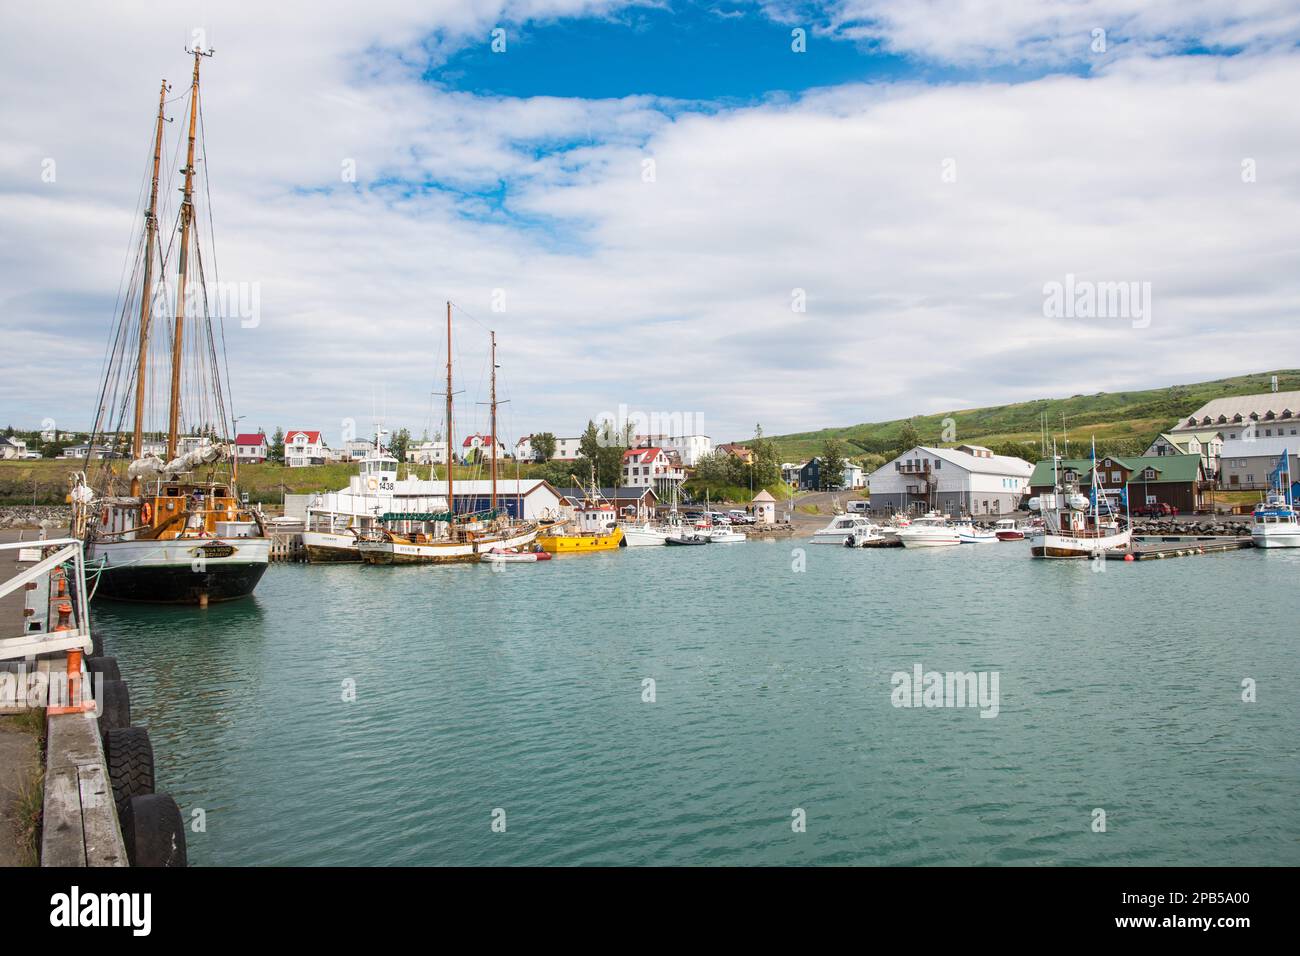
451,502
187,216
146,291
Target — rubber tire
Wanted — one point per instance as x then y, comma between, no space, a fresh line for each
153,831
129,755
114,707
103,665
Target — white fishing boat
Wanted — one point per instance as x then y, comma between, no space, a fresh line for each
336,520
645,535
841,527
931,531
1008,530
720,534
1074,524
1275,524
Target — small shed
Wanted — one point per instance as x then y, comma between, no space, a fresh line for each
764,508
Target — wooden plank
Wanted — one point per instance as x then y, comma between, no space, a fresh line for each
99,826
73,741
62,839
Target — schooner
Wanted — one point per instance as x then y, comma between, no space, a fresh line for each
174,529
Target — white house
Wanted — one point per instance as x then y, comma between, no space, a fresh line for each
303,448
12,448
470,443
966,479
567,449
690,448
251,448
650,468
97,453
428,453
524,448
854,477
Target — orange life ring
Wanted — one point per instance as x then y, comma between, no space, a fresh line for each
146,513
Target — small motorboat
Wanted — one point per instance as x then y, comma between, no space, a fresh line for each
1008,530
686,538
873,536
969,534
500,556
931,531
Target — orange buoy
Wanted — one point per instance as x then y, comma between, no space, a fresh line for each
146,513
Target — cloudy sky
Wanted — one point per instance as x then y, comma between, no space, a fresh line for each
667,206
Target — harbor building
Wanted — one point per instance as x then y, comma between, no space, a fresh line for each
1266,415
764,508
1246,465
689,448
1175,480
967,479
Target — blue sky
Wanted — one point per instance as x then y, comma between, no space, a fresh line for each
520,177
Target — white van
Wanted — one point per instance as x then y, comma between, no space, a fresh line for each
859,506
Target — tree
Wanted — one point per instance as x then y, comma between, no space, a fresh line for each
400,443
276,451
832,464
543,447
908,437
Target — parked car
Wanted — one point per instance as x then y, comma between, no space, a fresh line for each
1157,509
740,517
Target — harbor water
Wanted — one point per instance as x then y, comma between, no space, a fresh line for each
376,715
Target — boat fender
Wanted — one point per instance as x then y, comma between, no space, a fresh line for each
146,513
103,517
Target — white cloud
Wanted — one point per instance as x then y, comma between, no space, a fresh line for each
671,296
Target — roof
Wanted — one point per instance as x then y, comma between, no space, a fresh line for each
1006,465
764,496
1260,404
250,438
1169,468
311,436
1270,447
650,454
623,493
483,439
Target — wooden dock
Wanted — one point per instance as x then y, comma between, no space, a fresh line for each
1159,547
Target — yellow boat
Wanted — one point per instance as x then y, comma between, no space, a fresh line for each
595,528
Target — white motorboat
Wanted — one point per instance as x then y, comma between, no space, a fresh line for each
841,527
1008,530
970,534
501,556
873,536
719,534
1276,524
931,531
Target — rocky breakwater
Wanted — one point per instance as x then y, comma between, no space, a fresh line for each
50,517
1231,525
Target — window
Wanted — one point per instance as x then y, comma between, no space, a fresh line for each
937,463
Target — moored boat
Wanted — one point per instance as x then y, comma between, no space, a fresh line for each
1007,530
1074,524
840,527
1275,519
931,531
181,533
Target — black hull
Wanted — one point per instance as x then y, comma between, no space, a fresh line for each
180,584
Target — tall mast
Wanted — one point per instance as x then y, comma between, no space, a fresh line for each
493,436
187,215
451,502
146,291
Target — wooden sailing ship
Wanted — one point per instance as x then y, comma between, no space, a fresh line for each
174,529
448,536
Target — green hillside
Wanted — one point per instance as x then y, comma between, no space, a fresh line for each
1125,422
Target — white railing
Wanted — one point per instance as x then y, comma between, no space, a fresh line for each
57,551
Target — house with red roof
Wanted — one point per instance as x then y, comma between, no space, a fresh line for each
303,448
651,468
251,448
483,443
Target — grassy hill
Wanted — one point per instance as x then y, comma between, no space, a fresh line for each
1113,417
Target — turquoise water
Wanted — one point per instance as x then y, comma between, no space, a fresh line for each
521,689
